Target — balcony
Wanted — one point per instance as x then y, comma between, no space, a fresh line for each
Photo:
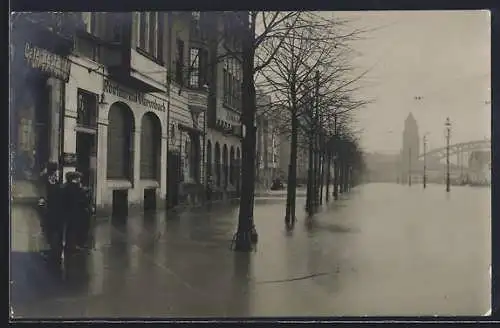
147,71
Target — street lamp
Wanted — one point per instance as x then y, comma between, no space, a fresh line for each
447,125
425,162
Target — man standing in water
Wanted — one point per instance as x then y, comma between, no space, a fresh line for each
51,218
75,210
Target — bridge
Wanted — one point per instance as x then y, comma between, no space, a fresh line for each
473,161
463,147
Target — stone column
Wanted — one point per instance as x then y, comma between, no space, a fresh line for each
163,171
55,108
102,158
136,153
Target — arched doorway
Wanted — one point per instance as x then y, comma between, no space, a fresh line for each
225,165
120,142
209,160
150,147
238,170
232,170
217,158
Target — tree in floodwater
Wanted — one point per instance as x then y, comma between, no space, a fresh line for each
275,28
315,52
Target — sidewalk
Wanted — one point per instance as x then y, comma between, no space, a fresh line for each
174,265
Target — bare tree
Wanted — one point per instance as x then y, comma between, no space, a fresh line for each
276,27
313,49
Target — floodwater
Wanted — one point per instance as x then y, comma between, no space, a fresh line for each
381,250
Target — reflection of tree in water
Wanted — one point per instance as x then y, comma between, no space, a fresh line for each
238,297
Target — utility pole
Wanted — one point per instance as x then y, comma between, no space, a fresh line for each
447,124
425,162
409,167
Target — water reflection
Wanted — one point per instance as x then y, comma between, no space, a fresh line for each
239,297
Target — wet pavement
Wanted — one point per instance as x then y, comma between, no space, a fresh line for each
381,250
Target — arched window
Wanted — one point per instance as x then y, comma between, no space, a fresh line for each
232,169
217,158
225,164
238,169
209,159
150,146
120,130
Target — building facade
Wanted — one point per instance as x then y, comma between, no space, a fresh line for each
145,104
267,164
410,150
224,129
40,68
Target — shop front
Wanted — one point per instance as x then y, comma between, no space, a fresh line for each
39,70
132,155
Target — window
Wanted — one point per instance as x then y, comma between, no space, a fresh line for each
86,109
149,33
194,68
232,83
91,20
179,62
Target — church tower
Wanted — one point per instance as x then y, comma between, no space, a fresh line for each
410,150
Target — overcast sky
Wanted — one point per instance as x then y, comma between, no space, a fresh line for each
441,56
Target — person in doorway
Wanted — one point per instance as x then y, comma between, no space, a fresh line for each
75,205
51,220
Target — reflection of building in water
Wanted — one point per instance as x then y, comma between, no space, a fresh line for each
410,150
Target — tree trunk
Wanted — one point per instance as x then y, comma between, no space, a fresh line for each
317,173
336,177
246,235
341,176
328,166
310,177
292,174
322,176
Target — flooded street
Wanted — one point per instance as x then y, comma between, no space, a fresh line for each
382,249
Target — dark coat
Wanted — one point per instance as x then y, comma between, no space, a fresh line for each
74,202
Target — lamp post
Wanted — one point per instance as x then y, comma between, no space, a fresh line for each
425,162
447,125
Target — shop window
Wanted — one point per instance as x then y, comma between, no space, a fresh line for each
120,142
150,147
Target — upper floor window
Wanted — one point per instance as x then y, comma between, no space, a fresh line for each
92,22
149,34
232,83
179,62
198,67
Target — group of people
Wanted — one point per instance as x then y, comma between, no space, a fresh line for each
66,213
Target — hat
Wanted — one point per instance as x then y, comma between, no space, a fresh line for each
52,166
72,175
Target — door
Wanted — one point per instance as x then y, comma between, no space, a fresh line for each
87,160
173,178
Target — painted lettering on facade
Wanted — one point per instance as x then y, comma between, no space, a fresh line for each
47,62
135,96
